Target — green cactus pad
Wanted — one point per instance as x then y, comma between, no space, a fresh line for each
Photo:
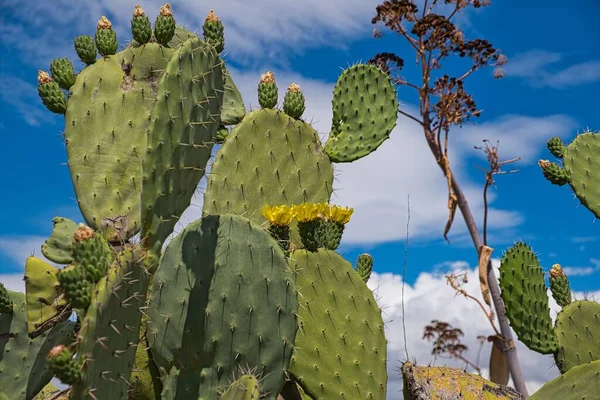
106,171
57,248
46,305
147,62
364,266
245,388
524,295
62,72
24,370
556,147
233,109
578,330
268,159
340,348
580,383
222,300
184,120
110,329
86,48
582,163
53,97
365,109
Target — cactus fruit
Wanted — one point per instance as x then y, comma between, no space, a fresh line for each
86,49
364,266
235,307
337,218
140,26
106,38
267,90
245,388
57,248
340,348
62,364
311,225
91,252
580,382
556,174
164,27
578,331
221,135
46,304
63,72
52,96
556,147
365,109
293,102
214,31
559,286
6,304
524,294
24,369
76,286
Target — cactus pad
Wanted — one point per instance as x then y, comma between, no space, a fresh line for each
578,330
268,159
23,367
110,329
184,120
46,305
580,382
582,161
57,248
340,348
6,303
245,388
365,109
222,299
106,171
524,293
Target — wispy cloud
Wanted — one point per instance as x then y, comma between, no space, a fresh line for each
23,97
583,271
18,248
543,68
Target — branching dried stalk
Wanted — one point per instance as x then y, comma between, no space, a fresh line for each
444,103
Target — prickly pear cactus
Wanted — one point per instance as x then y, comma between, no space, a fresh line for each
580,161
245,388
58,247
580,382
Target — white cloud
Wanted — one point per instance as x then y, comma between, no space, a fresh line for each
540,68
18,248
583,271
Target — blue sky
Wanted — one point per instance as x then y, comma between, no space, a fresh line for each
552,77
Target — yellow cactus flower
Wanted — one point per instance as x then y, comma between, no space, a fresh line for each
278,215
306,212
338,214
323,209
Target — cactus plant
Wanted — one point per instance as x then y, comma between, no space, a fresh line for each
222,298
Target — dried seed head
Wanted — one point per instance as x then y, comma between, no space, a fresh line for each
294,87
166,11
43,77
138,11
82,233
267,77
56,350
211,16
104,23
